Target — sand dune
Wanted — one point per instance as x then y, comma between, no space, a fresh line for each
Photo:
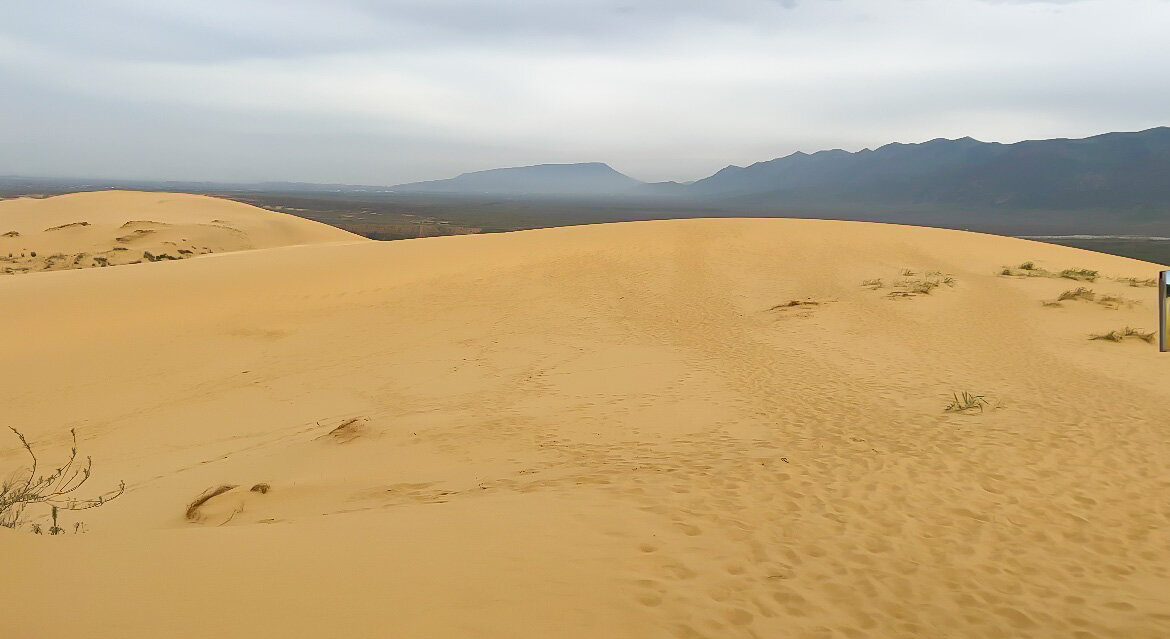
698,428
113,228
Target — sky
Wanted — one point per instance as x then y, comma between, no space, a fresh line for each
381,93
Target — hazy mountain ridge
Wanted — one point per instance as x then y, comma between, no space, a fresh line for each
1109,183
586,178
1113,170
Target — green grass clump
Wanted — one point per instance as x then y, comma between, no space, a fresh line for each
965,402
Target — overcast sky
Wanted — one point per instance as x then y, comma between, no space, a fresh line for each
368,92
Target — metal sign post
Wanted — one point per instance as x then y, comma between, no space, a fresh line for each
1163,300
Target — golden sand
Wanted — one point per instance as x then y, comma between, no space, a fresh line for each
696,428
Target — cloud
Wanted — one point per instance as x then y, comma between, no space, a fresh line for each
380,92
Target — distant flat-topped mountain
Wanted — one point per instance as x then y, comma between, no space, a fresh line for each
582,179
1111,171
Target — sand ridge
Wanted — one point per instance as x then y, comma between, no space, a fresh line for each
114,228
622,430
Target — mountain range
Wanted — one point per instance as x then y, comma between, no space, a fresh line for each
1113,171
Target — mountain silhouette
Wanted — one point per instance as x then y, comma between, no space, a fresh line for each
579,180
1111,171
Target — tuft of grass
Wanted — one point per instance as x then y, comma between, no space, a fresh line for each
924,287
1112,336
1138,333
55,489
1006,271
1078,293
1051,304
1027,266
1113,301
1081,274
1137,282
907,272
873,284
1117,336
965,402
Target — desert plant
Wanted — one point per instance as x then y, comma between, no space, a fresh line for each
875,283
55,489
1117,336
1113,301
1079,274
1078,293
1138,282
923,287
193,507
1138,333
1027,266
965,402
1005,271
1111,336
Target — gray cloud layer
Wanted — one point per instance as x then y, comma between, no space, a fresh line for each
373,92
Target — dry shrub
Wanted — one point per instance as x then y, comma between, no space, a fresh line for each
193,507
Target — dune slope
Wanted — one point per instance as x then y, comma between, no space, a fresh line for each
697,428
113,228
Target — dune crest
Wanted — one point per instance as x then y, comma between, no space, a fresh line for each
113,228
693,428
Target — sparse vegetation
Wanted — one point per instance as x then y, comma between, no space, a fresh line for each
1138,282
923,287
1078,293
193,507
55,489
1082,274
795,303
1113,301
1087,295
961,403
1118,336
1027,266
911,287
